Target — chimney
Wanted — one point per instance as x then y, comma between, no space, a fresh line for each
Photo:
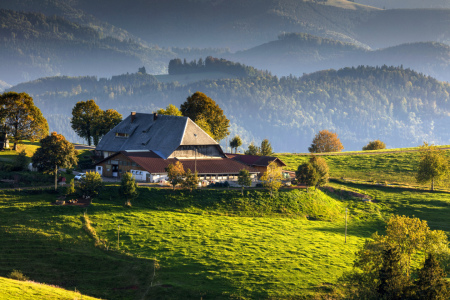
155,116
133,116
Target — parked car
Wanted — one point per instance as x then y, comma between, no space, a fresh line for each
80,176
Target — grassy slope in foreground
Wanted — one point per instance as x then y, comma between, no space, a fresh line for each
21,290
201,250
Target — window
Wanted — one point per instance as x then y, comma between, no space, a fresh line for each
121,135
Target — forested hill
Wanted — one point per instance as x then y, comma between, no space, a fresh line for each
399,106
298,53
34,45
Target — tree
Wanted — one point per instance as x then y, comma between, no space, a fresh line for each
190,180
21,119
252,150
244,179
103,123
374,145
325,141
171,110
266,148
198,106
128,188
431,283
272,178
313,173
433,165
84,115
175,173
90,185
378,274
70,188
21,161
55,152
235,143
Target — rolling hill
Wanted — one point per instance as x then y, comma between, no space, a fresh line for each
297,54
399,105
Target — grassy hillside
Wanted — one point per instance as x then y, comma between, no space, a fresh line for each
208,243
197,254
13,289
383,168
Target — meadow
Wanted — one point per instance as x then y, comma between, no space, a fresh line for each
385,168
209,244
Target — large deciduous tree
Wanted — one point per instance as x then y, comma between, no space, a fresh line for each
433,165
84,115
198,106
55,152
20,118
326,141
382,269
235,143
103,123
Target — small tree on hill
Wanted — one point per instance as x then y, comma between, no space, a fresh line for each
244,179
433,165
266,148
128,188
374,145
175,173
55,152
235,143
272,178
325,141
190,180
313,173
91,185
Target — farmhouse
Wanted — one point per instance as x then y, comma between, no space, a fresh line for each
260,163
145,144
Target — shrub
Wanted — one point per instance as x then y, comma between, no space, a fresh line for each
17,275
374,145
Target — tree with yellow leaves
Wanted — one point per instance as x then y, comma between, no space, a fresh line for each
272,178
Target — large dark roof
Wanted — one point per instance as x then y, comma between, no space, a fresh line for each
254,160
154,164
162,135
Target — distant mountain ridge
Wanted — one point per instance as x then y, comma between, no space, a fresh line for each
303,53
399,106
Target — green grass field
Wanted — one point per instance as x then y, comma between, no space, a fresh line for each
20,290
387,168
210,244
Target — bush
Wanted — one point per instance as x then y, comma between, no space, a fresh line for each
17,275
374,145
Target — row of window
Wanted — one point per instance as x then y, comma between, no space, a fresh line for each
121,163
